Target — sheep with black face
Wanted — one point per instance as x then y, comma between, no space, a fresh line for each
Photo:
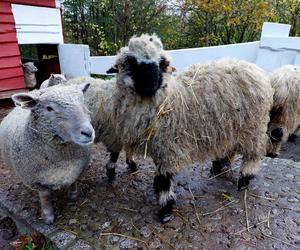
285,113
206,112
46,139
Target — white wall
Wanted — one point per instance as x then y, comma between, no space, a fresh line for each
74,59
277,48
182,58
36,25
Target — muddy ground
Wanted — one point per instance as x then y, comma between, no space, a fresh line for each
210,213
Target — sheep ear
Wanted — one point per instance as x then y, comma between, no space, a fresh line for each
84,87
51,76
24,100
113,69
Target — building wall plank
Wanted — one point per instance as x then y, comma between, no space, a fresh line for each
12,83
42,3
11,73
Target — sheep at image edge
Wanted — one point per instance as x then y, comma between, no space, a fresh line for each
45,140
285,113
208,111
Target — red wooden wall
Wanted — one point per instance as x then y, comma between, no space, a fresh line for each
40,3
11,73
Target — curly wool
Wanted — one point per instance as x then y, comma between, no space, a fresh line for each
206,112
99,100
40,158
286,107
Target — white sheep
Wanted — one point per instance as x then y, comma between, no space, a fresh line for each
54,79
29,75
45,139
208,111
285,113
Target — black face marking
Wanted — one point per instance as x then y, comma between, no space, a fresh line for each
276,135
164,64
162,183
146,76
112,70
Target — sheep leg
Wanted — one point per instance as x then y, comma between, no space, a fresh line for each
163,187
46,206
218,164
130,162
111,165
295,135
249,168
73,192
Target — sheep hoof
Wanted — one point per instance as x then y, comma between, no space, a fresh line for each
292,138
244,181
73,196
111,173
272,155
48,218
131,165
166,218
165,213
216,168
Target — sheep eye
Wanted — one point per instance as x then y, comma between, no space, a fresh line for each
49,108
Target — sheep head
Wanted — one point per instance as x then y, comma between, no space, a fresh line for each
56,79
59,111
29,68
277,132
141,65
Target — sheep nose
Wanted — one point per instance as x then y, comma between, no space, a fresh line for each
87,132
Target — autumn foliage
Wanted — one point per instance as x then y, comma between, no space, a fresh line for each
107,25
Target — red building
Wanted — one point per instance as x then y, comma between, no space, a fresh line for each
26,26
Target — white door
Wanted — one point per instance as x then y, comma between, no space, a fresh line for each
36,25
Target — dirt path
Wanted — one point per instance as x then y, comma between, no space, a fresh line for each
209,214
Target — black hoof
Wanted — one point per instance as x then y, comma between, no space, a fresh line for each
244,182
111,174
72,196
272,155
292,138
131,165
165,213
216,168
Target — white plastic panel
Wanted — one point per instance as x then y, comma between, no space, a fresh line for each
182,58
74,60
275,29
36,25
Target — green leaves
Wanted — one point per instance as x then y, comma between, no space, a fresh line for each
107,25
